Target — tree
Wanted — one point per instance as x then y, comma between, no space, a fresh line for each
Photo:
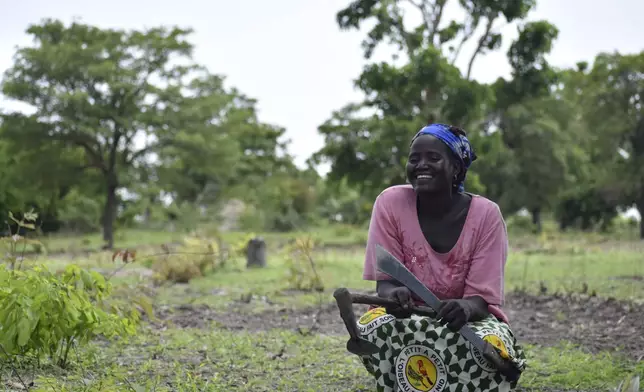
36,177
541,149
533,141
370,152
614,106
118,96
390,25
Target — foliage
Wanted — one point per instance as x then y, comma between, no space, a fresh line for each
563,141
13,241
302,270
586,208
614,96
197,256
46,314
284,202
96,91
370,152
79,212
341,203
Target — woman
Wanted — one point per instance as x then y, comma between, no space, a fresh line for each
456,244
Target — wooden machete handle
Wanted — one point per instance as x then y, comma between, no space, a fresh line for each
374,300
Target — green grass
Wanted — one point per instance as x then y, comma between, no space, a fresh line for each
202,360
126,238
608,274
568,367
213,359
328,236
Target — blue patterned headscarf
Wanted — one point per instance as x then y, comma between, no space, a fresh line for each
459,144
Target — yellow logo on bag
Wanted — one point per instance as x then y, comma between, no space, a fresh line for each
495,340
372,315
419,368
373,319
421,373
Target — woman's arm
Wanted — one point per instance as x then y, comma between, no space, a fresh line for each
383,231
385,287
485,281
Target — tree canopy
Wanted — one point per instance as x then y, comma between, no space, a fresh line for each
126,127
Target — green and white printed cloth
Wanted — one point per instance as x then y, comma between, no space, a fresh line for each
419,354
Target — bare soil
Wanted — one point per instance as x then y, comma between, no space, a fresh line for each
596,324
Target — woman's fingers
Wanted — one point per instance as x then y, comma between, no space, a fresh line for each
456,324
453,315
403,298
445,309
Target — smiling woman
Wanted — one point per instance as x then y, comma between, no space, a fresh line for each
456,244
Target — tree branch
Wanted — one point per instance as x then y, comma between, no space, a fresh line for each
111,163
145,150
479,47
431,19
85,141
466,37
439,7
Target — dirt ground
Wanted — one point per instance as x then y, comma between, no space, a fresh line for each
594,323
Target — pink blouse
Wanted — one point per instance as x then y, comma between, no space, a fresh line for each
474,266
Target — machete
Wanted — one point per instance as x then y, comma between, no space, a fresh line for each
390,265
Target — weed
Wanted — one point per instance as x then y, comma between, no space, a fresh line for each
15,255
302,271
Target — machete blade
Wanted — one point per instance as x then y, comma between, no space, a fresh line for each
390,265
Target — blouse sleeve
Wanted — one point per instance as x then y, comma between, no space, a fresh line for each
382,231
486,275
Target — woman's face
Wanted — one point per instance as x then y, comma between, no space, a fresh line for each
430,166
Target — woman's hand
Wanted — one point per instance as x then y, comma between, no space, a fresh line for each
403,297
458,312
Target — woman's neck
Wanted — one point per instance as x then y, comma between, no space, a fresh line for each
437,205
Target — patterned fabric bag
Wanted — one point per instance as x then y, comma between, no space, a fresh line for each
419,354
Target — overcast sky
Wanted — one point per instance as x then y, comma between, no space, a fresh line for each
292,57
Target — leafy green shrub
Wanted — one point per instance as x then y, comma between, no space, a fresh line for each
197,257
176,269
45,314
302,270
586,208
520,224
80,213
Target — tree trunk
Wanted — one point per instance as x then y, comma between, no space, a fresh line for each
640,209
109,213
536,219
256,253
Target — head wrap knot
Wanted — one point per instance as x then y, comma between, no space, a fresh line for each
458,143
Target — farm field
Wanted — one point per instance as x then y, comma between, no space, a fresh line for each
143,155
576,303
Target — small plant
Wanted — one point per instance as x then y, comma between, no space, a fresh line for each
46,314
176,269
124,292
197,257
15,244
302,271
